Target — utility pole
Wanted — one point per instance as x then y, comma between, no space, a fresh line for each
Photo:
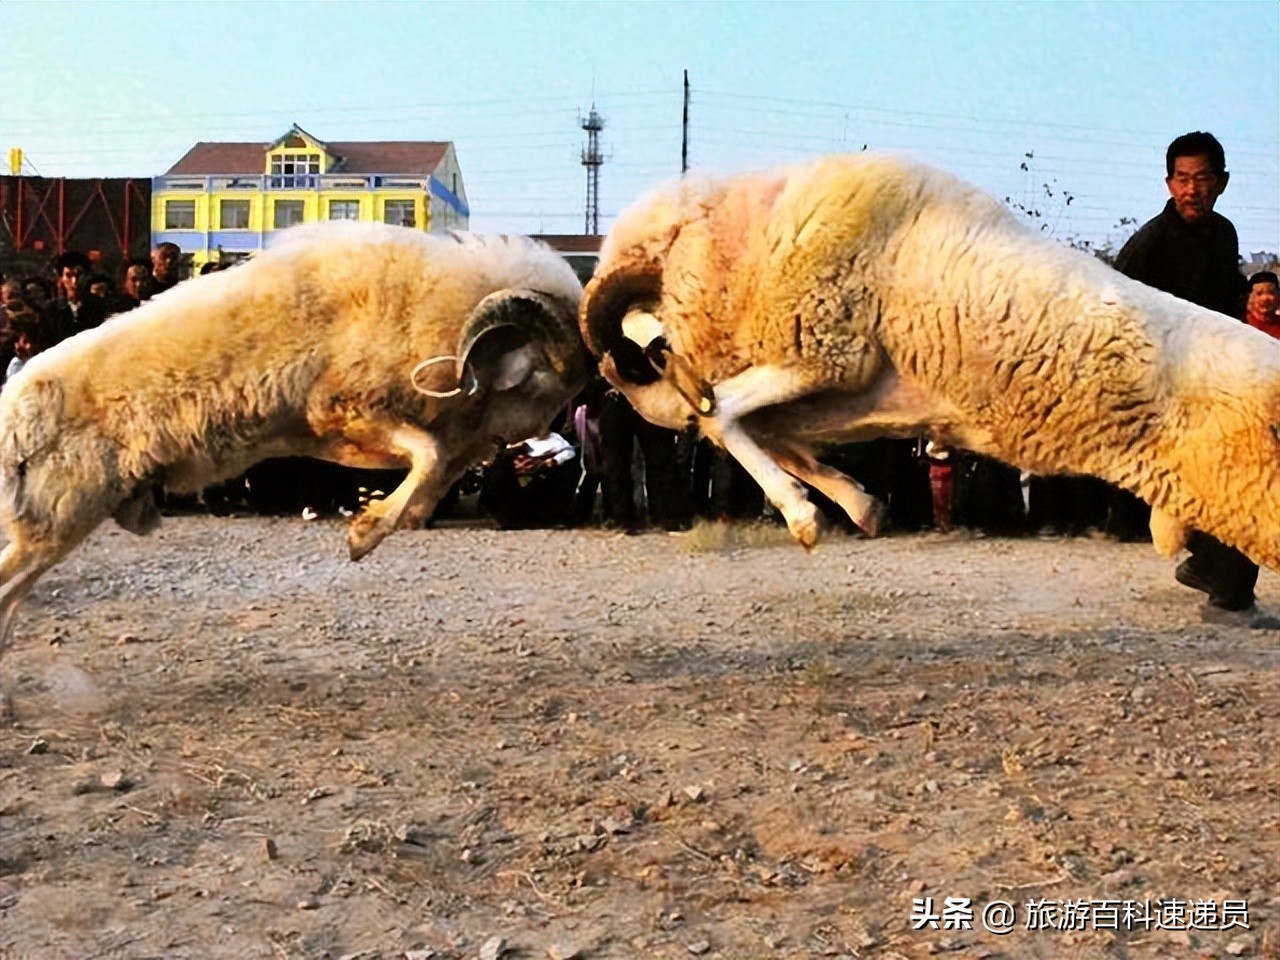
684,134
592,160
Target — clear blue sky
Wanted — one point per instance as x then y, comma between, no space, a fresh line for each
1093,90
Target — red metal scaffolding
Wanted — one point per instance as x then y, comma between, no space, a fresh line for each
49,215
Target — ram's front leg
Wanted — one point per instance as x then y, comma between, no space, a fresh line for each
372,443
782,490
743,394
412,501
867,513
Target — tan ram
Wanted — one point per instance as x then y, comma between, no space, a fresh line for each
868,295
309,349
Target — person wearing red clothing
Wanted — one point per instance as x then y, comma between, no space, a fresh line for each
1262,310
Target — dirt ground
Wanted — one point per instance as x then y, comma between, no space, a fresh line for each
227,741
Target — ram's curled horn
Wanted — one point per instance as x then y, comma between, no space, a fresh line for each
508,318
609,297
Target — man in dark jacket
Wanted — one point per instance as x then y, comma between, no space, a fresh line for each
165,264
1193,253
75,309
135,284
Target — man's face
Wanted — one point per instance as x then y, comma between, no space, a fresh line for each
164,263
1195,188
69,281
135,281
23,347
1264,298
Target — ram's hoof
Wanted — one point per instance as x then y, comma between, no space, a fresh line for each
804,526
872,520
365,533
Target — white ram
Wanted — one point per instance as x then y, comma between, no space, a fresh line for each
310,349
870,295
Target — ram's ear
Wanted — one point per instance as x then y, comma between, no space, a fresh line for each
511,333
507,365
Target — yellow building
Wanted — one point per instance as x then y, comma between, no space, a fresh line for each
224,201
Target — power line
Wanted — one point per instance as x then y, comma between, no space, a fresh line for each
896,112
393,109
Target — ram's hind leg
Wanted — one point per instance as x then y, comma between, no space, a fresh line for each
21,565
39,537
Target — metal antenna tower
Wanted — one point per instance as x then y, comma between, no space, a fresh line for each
592,159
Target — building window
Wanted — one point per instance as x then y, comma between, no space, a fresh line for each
288,212
180,215
294,170
344,209
399,212
234,215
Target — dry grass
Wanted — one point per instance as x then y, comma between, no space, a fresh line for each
710,536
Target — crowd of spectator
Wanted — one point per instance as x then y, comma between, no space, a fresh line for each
39,310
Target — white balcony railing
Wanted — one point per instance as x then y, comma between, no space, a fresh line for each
262,182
